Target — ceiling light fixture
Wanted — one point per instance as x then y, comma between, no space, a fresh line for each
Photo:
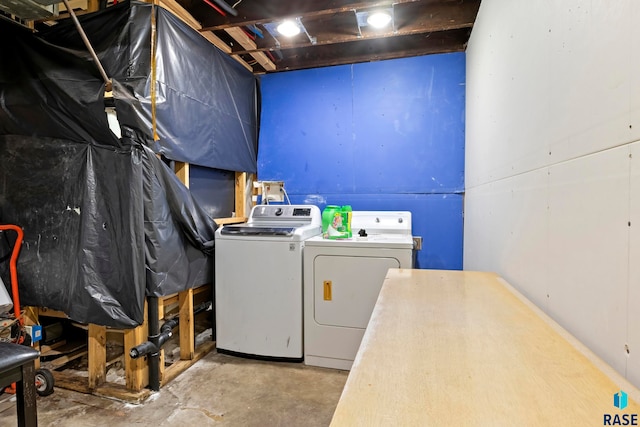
379,19
289,28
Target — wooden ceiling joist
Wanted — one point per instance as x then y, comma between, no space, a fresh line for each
333,32
245,41
174,7
281,9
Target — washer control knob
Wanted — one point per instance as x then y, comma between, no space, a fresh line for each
400,220
279,212
362,232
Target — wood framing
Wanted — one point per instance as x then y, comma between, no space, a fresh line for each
187,333
97,348
240,202
179,11
182,172
162,312
136,370
245,41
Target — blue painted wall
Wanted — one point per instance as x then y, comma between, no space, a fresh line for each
385,135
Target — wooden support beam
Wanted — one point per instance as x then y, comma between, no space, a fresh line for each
234,220
97,348
63,360
181,365
43,311
179,11
161,314
64,379
182,172
79,4
30,317
93,5
243,199
240,194
217,41
245,41
187,334
136,370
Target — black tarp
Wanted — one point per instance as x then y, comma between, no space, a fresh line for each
80,208
206,102
177,232
105,220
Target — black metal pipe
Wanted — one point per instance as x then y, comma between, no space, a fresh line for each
157,339
226,7
208,305
142,349
87,43
154,335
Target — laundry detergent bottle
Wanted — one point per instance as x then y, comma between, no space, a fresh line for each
336,222
346,218
327,218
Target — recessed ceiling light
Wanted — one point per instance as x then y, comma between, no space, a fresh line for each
288,28
379,19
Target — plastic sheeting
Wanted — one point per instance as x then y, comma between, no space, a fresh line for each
206,103
105,220
81,208
177,232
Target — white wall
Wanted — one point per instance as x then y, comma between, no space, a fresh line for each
553,163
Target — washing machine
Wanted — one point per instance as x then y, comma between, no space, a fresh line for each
258,282
342,280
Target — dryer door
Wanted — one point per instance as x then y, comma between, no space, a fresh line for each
346,288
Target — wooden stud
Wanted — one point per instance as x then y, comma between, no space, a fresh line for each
241,185
30,317
182,172
97,348
93,5
187,335
243,198
161,314
136,370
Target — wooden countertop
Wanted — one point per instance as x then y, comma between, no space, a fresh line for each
453,348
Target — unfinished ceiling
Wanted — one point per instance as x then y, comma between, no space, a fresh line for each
330,32
334,32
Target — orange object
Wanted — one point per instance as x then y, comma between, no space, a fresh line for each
14,269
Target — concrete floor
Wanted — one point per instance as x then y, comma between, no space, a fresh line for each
218,390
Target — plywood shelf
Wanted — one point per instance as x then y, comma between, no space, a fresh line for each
456,348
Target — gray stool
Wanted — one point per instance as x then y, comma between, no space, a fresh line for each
17,366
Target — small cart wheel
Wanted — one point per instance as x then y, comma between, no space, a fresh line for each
44,382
